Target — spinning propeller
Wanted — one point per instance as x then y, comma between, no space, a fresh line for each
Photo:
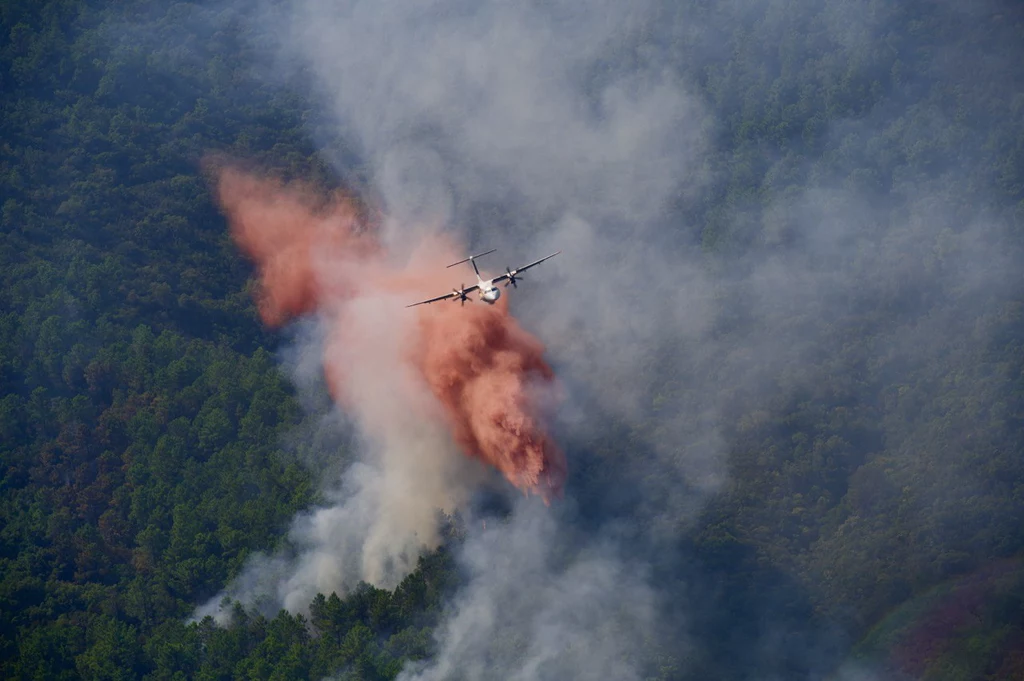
511,277
460,294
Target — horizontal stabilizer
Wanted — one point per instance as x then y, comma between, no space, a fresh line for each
472,257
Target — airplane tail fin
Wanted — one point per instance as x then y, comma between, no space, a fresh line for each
472,260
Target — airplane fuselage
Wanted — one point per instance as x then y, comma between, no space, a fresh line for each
489,293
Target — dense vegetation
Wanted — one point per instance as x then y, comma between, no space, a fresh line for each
142,415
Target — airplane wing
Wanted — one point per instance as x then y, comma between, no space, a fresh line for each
516,271
453,294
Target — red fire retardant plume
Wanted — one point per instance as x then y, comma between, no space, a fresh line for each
316,254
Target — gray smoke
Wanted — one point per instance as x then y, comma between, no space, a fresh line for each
456,102
541,606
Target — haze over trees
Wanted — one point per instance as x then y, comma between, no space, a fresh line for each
855,210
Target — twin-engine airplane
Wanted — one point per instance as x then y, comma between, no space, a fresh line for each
487,291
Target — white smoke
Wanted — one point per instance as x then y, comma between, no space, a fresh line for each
456,101
383,513
538,607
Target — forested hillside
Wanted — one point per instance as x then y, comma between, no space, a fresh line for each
140,408
874,449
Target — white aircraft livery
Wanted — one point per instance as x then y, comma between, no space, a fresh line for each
485,288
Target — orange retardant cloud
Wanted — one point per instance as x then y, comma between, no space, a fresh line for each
318,255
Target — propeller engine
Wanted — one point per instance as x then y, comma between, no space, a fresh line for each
461,295
511,277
